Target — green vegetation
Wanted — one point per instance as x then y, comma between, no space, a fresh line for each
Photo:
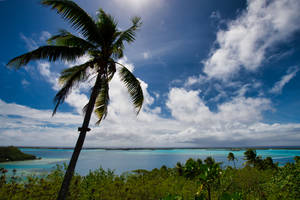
232,158
192,180
13,154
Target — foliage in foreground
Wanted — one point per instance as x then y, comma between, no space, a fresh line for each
193,180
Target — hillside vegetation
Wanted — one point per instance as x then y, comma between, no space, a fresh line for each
13,154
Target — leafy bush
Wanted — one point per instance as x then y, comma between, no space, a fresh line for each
193,180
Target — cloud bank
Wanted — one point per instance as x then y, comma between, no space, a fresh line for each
237,122
247,39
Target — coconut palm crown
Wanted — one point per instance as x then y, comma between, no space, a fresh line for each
104,44
231,157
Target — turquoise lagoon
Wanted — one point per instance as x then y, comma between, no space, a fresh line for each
126,160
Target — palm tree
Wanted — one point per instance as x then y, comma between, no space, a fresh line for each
179,168
250,156
231,157
209,161
104,43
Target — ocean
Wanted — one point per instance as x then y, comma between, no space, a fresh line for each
127,160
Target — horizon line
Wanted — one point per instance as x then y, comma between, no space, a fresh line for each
236,148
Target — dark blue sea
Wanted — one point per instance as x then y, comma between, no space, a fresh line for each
126,160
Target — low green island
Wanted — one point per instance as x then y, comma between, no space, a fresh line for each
12,153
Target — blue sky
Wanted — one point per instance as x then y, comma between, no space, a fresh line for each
214,73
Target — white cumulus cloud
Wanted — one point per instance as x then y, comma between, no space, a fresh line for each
235,123
245,42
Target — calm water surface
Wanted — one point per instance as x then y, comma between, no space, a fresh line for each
127,160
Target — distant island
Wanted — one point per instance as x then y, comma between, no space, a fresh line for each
12,153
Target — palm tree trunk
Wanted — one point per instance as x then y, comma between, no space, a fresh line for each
208,190
71,167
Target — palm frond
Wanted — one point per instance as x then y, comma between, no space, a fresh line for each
111,70
78,72
95,53
102,101
129,34
133,86
52,53
69,78
65,38
117,50
107,27
77,17
125,36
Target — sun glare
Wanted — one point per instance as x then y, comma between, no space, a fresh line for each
138,5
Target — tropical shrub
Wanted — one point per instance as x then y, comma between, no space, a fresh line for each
193,180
